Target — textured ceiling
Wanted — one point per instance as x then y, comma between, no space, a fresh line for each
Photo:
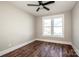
57,7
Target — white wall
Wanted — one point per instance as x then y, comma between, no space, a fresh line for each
75,27
67,28
16,26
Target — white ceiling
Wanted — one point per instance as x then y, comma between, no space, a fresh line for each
57,7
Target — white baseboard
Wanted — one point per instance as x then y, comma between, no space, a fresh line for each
62,42
14,48
55,41
76,50
46,40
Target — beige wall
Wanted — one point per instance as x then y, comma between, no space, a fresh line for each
16,26
67,29
75,27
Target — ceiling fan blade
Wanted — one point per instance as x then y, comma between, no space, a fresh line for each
50,2
32,5
38,9
46,8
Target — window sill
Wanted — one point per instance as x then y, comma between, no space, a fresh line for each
53,36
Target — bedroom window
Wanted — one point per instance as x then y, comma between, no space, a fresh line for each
53,26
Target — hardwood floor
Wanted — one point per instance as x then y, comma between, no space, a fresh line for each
43,49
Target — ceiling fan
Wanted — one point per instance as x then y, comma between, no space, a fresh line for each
40,3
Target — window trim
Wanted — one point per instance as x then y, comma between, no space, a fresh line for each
47,17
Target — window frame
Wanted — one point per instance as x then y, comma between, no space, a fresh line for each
52,27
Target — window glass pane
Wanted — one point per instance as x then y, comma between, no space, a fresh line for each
58,21
46,22
58,31
46,30
53,26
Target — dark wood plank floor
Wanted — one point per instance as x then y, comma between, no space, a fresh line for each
43,49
